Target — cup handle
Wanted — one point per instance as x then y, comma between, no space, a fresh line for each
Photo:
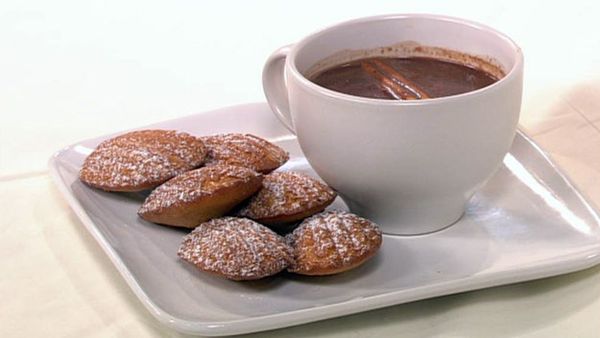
274,86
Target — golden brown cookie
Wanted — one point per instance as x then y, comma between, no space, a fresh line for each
199,195
288,197
236,248
244,150
333,242
141,160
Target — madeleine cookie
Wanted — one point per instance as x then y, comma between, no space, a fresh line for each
236,248
288,197
333,242
141,160
199,195
244,150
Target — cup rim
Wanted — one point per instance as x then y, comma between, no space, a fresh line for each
513,72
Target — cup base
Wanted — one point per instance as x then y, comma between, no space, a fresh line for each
436,230
417,219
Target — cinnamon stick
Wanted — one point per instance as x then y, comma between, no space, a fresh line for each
393,81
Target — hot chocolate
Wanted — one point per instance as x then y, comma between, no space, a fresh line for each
406,78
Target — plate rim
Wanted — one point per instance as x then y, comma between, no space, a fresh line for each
580,260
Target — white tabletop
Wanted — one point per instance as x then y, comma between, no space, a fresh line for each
71,70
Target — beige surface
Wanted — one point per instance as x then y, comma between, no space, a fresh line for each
72,70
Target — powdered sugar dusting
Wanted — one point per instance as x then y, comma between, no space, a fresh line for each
288,193
236,248
331,241
141,159
194,184
244,150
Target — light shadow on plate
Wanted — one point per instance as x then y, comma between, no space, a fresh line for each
267,284
368,268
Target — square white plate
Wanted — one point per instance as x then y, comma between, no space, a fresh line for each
528,222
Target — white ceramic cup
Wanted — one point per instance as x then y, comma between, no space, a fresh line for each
410,166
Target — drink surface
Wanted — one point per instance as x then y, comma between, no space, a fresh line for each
407,78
